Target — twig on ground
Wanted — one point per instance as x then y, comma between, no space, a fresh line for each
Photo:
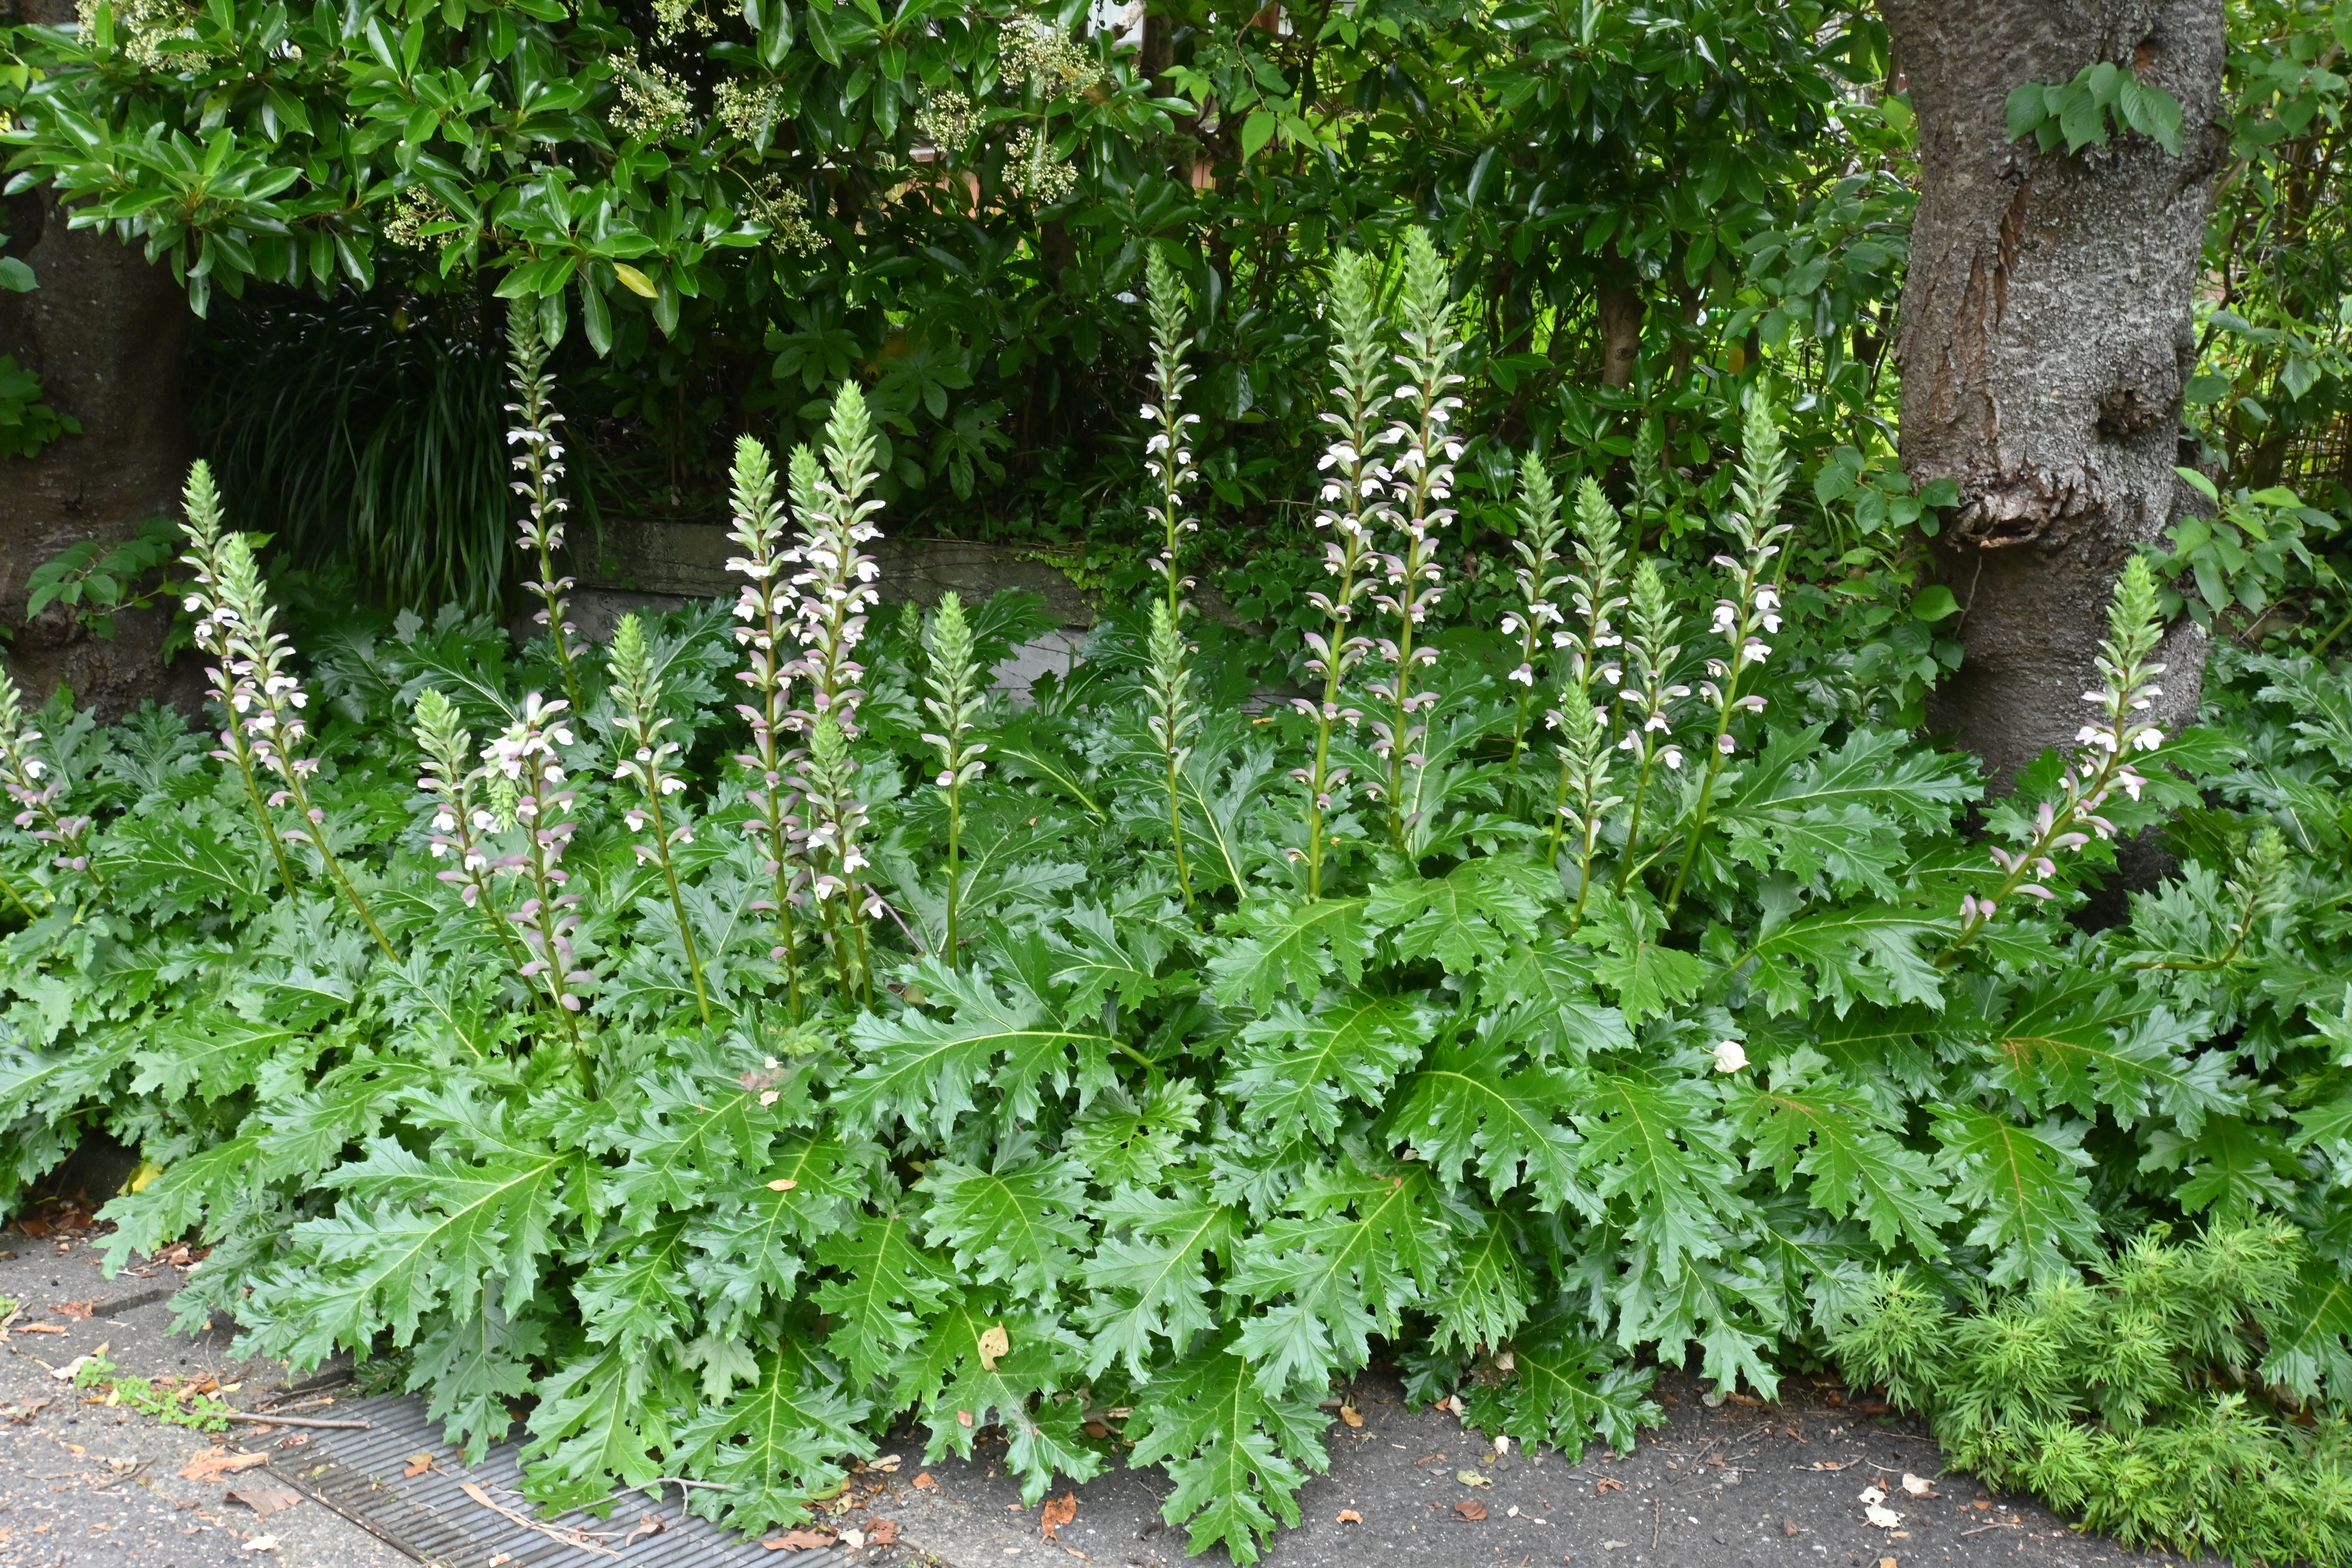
295,1421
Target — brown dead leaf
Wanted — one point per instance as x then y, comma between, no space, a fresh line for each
923,1483
417,1464
1471,1509
882,1532
783,1185
76,1312
1750,1399
993,1342
1351,1415
1791,1529
963,1417
801,1541
1349,1516
1096,1429
38,1329
210,1463
1058,1513
1428,1460
647,1524
265,1496
1604,1486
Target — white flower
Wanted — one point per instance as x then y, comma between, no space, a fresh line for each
1730,1056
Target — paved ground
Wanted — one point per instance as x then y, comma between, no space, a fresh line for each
1723,1488
1726,1487
82,1483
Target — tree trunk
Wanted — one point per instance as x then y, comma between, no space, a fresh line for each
106,333
2046,342
1619,303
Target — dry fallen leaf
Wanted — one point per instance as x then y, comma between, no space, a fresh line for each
260,1543
800,1540
1428,1460
1790,1528
1884,1518
1873,1493
853,1539
993,1342
923,1483
1918,1486
1605,1485
265,1496
882,1532
1349,1516
1886,1562
79,1311
417,1464
887,1464
1470,1508
1472,1479
1059,1512
38,1329
1351,1415
210,1463
647,1524
785,1185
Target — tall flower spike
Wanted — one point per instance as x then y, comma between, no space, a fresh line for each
835,508
37,787
1172,722
769,607
1168,451
525,768
266,702
1647,700
2103,764
1539,581
1352,503
540,462
460,819
1752,610
837,858
646,759
1591,642
1427,450
1585,801
953,676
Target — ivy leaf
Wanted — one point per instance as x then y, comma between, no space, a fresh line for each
923,1069
1237,1456
1475,1102
1566,1390
1010,1224
1147,1278
1468,917
1292,1059
2026,1188
778,1440
1809,1123
1289,945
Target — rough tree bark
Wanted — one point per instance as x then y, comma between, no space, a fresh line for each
1618,297
2046,342
106,333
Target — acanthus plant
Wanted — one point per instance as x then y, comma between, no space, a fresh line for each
1170,1153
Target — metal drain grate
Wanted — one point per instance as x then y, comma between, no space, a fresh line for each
431,1516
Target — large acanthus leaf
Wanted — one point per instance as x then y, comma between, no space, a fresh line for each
964,1394
213,1051
179,858
2310,1336
2024,1188
1808,1123
774,1443
1466,918
1114,951
1236,1456
2082,1041
1147,1278
1859,953
1364,1244
1647,976
1656,1146
169,1206
1123,1138
1564,1388
636,1296
1299,1067
1485,1294
1012,1225
1479,1101
600,1421
752,1240
884,1282
1844,814
686,1130
1276,947
472,1369
925,1069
